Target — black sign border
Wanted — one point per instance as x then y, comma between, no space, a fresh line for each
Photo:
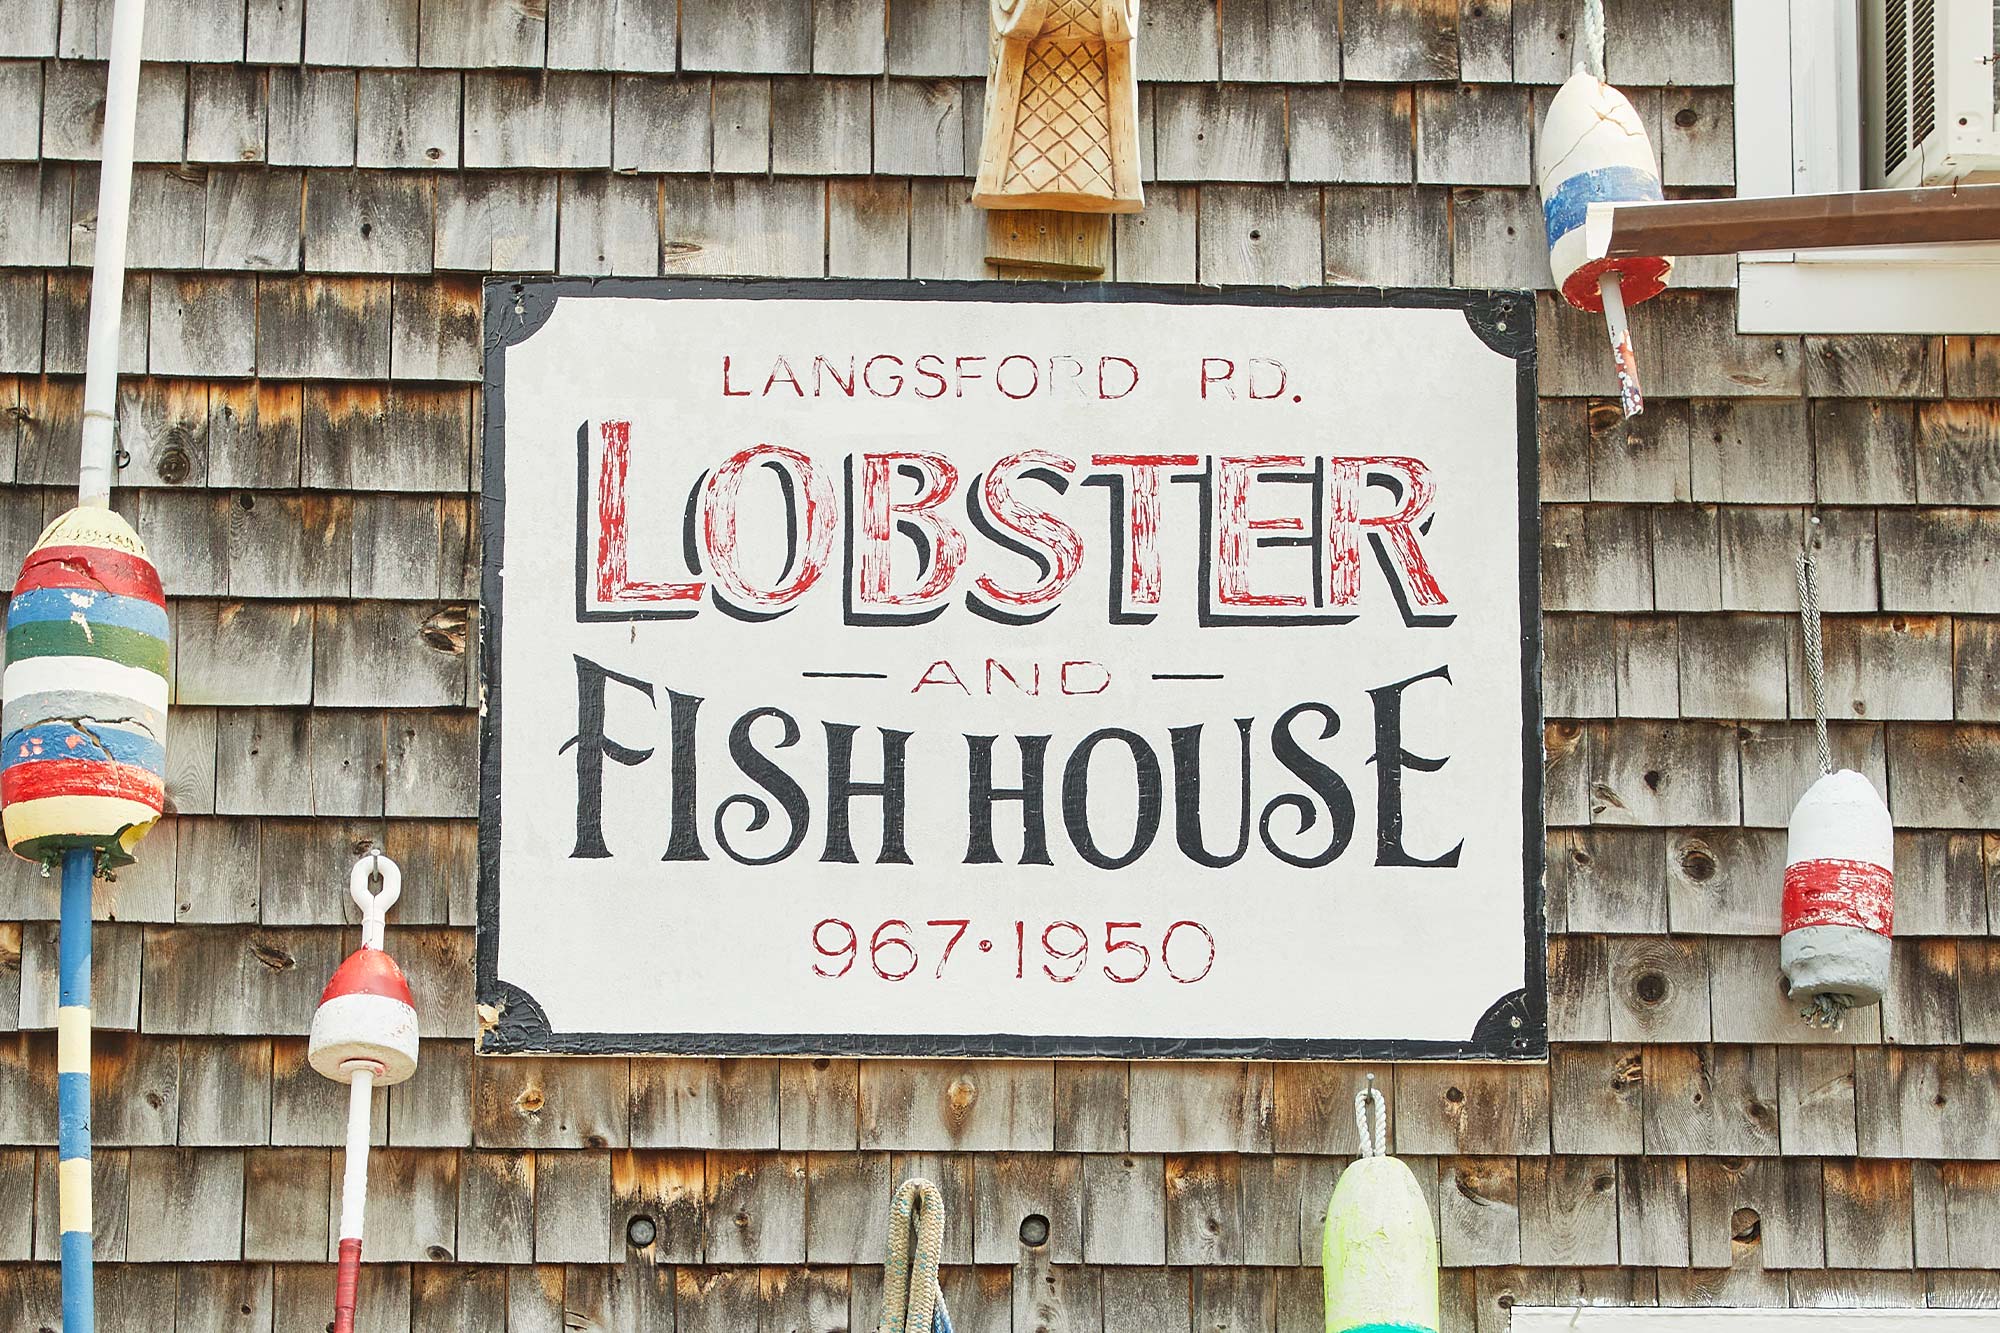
1514,1028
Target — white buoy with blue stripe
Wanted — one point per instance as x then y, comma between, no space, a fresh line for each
1594,150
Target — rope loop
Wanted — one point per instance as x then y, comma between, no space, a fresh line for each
1375,1144
911,1300
1590,39
1815,650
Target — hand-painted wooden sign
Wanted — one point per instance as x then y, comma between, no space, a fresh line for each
921,668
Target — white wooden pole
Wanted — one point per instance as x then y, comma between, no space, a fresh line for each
107,279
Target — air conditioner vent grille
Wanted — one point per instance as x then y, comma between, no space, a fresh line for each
1895,85
1923,69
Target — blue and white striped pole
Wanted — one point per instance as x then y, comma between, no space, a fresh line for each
79,1306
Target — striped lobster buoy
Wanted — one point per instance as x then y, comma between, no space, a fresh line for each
912,1301
1594,150
82,778
364,1034
86,693
1380,1253
1839,897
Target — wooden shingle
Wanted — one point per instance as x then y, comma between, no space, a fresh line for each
1400,41
661,124
726,38
1771,1205
1260,234
464,34
495,222
312,118
496,1190
1280,41
919,128
407,118
609,225
554,120
755,1208
1568,1211
185,1204
202,324
613,34
251,220
1206,132
323,328
572,1200
285,1215
936,38
819,126
226,107
366,32
1340,133
850,38
745,225
868,228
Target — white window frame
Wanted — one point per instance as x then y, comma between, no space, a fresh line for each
1608,1319
1798,131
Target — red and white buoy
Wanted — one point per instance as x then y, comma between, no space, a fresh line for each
1839,896
364,1034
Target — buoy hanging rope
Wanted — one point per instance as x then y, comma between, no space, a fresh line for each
1379,1255
1809,630
364,1034
912,1301
1594,150
1839,894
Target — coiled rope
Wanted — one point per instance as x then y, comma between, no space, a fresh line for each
911,1299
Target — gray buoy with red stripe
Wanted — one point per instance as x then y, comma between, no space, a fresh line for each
1839,896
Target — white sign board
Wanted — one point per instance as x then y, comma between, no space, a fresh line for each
943,669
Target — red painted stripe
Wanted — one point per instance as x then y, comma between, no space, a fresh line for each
97,567
368,972
80,777
1835,892
346,1285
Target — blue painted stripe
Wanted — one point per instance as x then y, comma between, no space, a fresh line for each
59,740
72,1116
79,1300
1564,210
79,869
103,608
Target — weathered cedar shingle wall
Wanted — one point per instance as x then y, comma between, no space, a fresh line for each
325,184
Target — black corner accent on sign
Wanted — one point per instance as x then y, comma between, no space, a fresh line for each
516,308
519,1025
1504,321
1512,1026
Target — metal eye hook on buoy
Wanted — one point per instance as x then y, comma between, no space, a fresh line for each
374,906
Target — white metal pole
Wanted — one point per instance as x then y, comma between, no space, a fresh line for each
107,277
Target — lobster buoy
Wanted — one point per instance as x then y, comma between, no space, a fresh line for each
364,1034
1594,150
1839,896
85,721
1379,1255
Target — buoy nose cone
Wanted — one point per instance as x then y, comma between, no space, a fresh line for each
366,1013
1380,1251
368,972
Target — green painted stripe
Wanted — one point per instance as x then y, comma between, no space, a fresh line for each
66,638
1387,1328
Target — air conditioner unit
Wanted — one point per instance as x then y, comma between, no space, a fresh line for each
1930,87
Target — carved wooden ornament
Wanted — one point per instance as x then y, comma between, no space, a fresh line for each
1062,108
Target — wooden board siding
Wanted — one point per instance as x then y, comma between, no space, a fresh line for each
322,189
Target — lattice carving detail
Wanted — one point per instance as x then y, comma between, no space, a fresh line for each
1062,108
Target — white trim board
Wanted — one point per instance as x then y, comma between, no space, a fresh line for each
1793,51
1605,1319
